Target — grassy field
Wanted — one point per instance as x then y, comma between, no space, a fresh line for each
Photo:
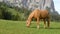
19,27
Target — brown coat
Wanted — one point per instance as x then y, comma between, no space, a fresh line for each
38,14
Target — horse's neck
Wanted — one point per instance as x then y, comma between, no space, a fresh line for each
30,18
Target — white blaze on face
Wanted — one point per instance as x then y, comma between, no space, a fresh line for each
28,23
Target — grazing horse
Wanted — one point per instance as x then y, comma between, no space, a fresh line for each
38,15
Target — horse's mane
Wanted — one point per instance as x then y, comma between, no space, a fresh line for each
32,13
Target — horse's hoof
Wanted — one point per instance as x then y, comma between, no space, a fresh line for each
37,27
48,27
44,27
27,26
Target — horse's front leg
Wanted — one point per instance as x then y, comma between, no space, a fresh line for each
38,23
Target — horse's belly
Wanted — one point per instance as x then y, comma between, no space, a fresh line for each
43,17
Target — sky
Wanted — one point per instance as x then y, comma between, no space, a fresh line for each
57,5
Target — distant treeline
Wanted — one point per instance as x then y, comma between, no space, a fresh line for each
15,13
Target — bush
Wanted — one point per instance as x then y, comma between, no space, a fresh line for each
6,15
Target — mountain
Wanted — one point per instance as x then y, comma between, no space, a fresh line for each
31,4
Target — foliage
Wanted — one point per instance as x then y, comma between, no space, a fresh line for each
16,13
8,13
13,13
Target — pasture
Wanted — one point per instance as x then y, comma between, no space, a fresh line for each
19,27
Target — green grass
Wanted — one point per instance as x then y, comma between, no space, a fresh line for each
19,27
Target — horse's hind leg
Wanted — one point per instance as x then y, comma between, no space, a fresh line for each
44,23
38,23
48,24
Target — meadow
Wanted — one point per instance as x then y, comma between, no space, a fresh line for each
19,27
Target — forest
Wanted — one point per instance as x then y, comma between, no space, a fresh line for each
21,14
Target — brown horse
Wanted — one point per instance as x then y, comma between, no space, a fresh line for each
39,14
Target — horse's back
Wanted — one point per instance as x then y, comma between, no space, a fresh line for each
44,13
39,13
36,13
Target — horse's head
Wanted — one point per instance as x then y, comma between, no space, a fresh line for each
28,23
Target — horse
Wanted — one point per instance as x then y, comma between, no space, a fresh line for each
38,15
